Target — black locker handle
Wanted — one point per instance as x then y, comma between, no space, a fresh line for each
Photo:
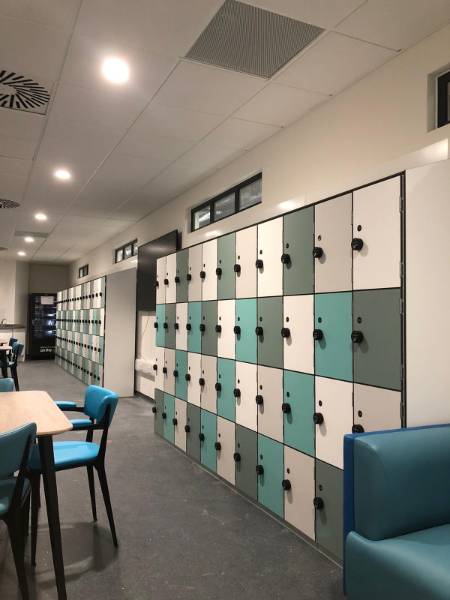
154,410
177,279
318,334
218,446
155,325
176,326
187,376
259,330
357,429
164,370
218,386
188,326
259,264
187,428
237,268
318,503
202,274
357,244
175,373
285,332
286,408
164,415
202,327
201,437
237,457
259,470
166,281
357,337
218,328
155,367
219,271
318,418
259,399
188,277
201,381
157,284
237,329
286,485
174,421
166,326
237,393
286,259
317,252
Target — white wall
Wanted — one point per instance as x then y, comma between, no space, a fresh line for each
7,289
48,277
21,293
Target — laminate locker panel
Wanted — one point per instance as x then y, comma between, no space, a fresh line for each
181,358
226,376
246,343
170,320
376,409
208,270
171,271
192,376
329,508
160,276
225,447
298,411
160,321
268,331
193,431
181,281
376,223
208,438
180,423
268,262
226,278
158,410
181,321
245,457
195,266
298,317
169,367
270,472
332,245
297,258
269,402
158,365
299,491
208,328
168,417
208,380
333,418
245,395
246,274
194,338
225,334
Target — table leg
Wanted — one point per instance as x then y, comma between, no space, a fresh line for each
51,498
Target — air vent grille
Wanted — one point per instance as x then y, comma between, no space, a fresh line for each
251,40
4,203
20,92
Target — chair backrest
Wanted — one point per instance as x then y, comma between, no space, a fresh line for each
17,349
13,445
7,384
97,401
12,341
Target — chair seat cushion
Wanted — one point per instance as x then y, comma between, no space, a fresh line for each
6,493
413,566
67,455
65,404
79,423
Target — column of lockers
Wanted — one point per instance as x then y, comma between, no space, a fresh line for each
277,340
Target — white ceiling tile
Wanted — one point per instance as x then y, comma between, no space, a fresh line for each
398,24
208,89
21,124
325,13
14,166
16,147
279,105
159,147
58,15
335,62
135,209
237,133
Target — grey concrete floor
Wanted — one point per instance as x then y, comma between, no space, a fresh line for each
183,534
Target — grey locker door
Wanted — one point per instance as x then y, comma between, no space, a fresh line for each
332,245
298,237
245,457
208,328
377,358
159,406
226,280
170,320
270,342
376,409
181,275
329,508
192,431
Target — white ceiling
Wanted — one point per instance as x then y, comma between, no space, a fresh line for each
132,148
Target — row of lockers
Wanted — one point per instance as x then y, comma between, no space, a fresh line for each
353,336
84,344
89,372
85,295
306,412
82,321
349,242
306,492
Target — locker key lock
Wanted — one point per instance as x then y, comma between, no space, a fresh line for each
166,326
286,485
357,337
219,271
259,470
285,332
166,282
201,437
259,330
202,327
286,408
259,399
164,415
177,279
218,386
202,274
237,329
154,410
286,259
188,277
201,381
187,376
318,334
187,428
318,418
237,457
357,244
357,429
188,326
155,367
237,393
237,268
155,325
164,370
318,503
175,373
176,326
218,446
174,421
218,328
259,263
317,252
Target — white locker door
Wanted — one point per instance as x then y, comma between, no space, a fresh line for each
195,266
194,374
181,332
376,222
246,390
160,276
171,271
78,297
180,422
158,361
208,394
208,270
376,408
334,407
270,249
226,438
299,509
226,337
169,366
96,290
246,246
270,390
298,318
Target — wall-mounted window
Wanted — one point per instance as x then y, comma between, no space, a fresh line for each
126,251
443,99
238,198
83,271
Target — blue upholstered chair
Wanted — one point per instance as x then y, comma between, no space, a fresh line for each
12,340
16,352
6,385
397,514
100,405
70,406
15,449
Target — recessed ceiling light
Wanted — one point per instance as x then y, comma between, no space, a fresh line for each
62,174
115,70
40,216
22,253
29,239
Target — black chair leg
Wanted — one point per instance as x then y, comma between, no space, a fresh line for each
35,505
90,472
105,491
16,379
26,517
17,544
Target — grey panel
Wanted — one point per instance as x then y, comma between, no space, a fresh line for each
226,282
246,448
170,320
209,320
159,402
298,238
192,439
182,271
329,520
270,343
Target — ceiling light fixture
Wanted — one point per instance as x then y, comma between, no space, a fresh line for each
40,216
22,253
29,239
115,70
62,174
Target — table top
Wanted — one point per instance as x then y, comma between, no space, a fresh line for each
19,408
5,348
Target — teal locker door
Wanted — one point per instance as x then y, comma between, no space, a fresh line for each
181,281
180,374
226,402
208,328
329,508
168,417
194,339
246,448
208,439
159,324
268,332
298,409
226,279
246,341
332,334
192,429
270,471
377,338
298,260
170,320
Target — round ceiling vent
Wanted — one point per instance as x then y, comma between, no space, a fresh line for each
4,203
22,93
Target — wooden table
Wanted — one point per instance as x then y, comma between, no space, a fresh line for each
19,408
3,359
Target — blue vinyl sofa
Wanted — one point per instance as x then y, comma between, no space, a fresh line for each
397,514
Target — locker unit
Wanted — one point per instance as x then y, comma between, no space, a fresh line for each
158,410
192,430
299,492
225,385
268,261
244,266
376,409
245,458
226,279
245,392
208,273
328,503
207,327
168,369
170,285
192,377
225,328
269,401
158,365
244,330
168,416
298,325
297,257
298,411
179,374
207,436
268,332
269,470
170,320
194,318
181,281
160,325
207,382
160,277
181,316
193,276
225,448
180,423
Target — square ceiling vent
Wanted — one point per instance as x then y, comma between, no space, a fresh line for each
251,40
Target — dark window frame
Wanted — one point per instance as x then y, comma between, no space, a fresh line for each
443,111
83,271
211,203
134,251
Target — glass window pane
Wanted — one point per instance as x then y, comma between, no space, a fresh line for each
202,217
119,255
135,249
250,194
224,207
128,250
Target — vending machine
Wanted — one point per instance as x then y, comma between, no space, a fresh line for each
41,326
